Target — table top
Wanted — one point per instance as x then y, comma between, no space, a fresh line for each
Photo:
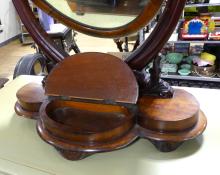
24,153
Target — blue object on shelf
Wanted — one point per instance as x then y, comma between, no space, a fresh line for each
195,27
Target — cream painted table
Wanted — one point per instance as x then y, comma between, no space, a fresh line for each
22,152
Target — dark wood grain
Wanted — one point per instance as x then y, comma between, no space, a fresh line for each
30,97
167,123
86,123
169,141
93,76
185,135
76,151
168,115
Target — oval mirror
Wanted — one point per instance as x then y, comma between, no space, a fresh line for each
103,18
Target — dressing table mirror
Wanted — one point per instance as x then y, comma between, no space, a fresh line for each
95,102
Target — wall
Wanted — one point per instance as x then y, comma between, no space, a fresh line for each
9,19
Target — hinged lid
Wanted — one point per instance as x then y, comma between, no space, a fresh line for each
93,76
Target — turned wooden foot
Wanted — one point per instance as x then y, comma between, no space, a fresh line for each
164,146
73,155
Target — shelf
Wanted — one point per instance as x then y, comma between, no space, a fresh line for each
203,5
174,39
195,41
192,77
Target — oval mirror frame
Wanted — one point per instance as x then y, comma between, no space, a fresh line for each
149,11
137,60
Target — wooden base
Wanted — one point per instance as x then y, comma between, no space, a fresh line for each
164,146
73,155
167,123
168,115
77,151
27,114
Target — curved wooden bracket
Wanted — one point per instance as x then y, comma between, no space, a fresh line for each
37,32
158,38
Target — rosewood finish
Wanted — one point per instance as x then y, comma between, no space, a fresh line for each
92,102
30,97
93,76
169,122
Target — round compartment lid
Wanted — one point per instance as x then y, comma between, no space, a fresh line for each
29,99
93,76
169,115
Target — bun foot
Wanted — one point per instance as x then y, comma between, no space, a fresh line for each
164,146
73,155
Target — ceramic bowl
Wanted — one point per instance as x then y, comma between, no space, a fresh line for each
174,58
189,59
204,71
186,66
184,72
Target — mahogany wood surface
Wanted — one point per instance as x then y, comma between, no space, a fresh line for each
73,155
77,128
86,123
93,76
169,141
185,135
168,115
24,113
30,97
66,145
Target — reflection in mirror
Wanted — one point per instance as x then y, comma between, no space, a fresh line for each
100,13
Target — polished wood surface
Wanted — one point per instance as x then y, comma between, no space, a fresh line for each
101,79
30,97
86,123
77,150
168,115
93,76
176,137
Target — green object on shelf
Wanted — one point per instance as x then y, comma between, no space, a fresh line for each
168,68
186,66
189,59
174,58
184,72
